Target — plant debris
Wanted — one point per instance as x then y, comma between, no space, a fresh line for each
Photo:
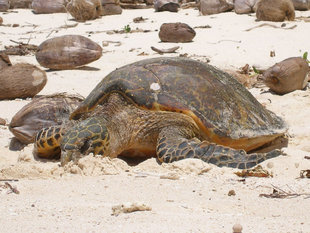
129,208
7,185
280,193
305,173
162,51
139,19
257,171
21,49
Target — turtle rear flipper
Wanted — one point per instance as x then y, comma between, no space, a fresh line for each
173,148
47,143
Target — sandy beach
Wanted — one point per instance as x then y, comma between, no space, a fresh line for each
185,196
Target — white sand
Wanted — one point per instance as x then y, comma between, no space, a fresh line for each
79,198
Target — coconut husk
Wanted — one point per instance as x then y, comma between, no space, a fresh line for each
166,5
111,7
82,10
42,112
68,52
49,6
21,81
4,60
275,10
176,32
301,5
245,6
26,4
4,5
287,76
209,7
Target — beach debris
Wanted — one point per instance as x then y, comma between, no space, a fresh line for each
287,76
2,121
275,10
176,32
272,53
301,5
42,112
67,52
170,176
4,60
106,43
1,20
270,25
139,19
202,27
305,173
166,5
82,10
187,5
245,75
7,185
245,6
136,4
209,7
257,171
4,5
231,192
49,6
307,157
277,192
21,81
129,207
25,4
111,7
237,228
21,49
162,51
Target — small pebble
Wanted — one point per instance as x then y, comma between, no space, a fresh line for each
2,121
270,165
237,228
232,193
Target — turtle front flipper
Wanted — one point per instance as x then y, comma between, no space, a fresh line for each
172,148
47,143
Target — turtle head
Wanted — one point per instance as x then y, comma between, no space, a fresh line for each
88,136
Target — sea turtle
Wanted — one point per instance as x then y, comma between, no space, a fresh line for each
173,108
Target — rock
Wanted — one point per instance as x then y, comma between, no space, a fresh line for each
166,5
287,76
237,228
111,7
49,6
4,6
26,4
275,10
209,7
301,5
41,113
176,32
67,52
82,10
245,6
21,81
4,60
1,20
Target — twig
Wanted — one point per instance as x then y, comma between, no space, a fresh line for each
270,25
161,51
8,180
236,41
280,193
14,190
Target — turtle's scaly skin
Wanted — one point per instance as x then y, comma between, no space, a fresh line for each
175,108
